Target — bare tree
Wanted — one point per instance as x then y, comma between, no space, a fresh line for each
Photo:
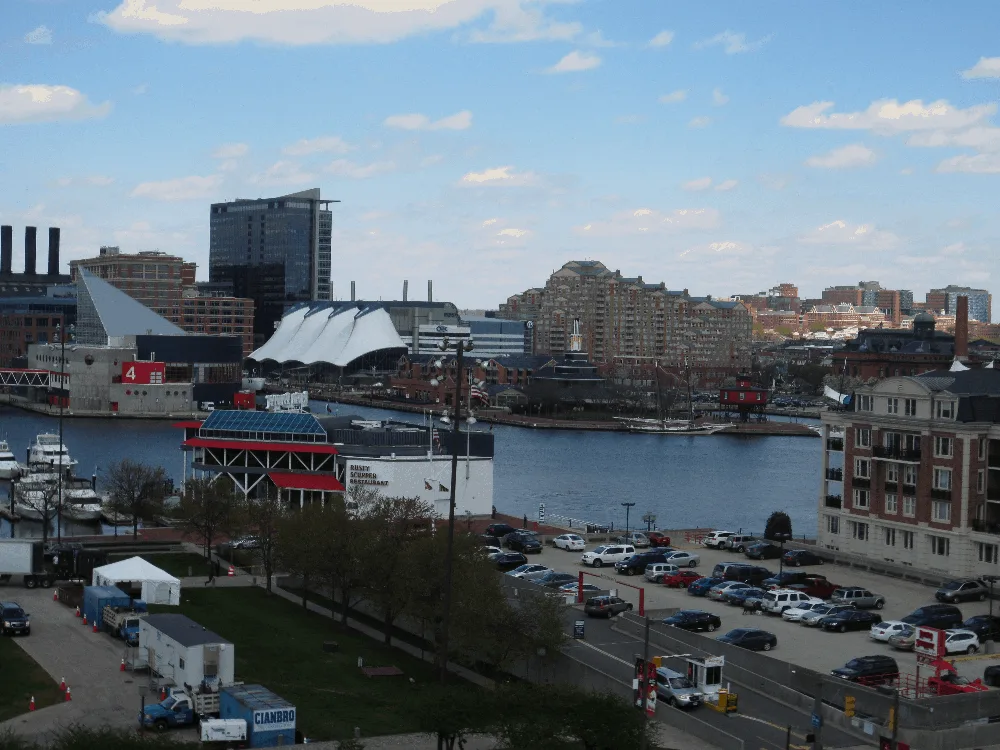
136,491
264,514
208,508
41,499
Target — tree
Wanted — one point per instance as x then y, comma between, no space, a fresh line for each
453,711
778,523
345,540
264,514
300,546
208,508
43,500
136,491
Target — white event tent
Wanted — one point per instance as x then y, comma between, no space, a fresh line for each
158,586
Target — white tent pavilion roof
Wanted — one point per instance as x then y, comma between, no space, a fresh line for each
134,569
335,334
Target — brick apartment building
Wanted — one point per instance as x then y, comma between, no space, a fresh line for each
911,473
627,319
166,284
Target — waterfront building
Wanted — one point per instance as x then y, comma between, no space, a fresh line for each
33,320
911,473
946,300
166,285
306,459
276,251
496,337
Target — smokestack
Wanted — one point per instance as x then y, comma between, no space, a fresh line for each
53,251
352,291
6,248
406,288
30,245
962,327
430,290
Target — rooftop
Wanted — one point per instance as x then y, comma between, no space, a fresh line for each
184,630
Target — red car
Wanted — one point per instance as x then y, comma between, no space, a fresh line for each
816,585
657,539
681,579
951,684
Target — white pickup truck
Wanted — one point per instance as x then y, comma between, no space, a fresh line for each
607,554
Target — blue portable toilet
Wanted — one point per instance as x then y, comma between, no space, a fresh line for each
96,598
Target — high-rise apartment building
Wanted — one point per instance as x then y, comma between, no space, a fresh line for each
980,301
277,251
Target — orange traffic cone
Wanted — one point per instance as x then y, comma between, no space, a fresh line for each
69,696
77,611
85,619
232,571
55,595
95,626
62,685
31,706
122,667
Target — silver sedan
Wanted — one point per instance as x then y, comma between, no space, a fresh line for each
683,559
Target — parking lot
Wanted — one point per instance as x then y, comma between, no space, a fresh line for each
797,644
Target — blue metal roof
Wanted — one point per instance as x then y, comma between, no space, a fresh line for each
264,421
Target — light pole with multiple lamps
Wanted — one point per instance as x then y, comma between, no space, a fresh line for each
461,346
62,402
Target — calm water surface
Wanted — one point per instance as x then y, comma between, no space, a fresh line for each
731,482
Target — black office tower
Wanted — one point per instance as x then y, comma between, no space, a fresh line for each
273,250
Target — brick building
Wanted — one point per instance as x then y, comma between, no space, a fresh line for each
980,301
911,473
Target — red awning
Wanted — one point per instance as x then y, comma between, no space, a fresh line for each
290,481
253,445
192,425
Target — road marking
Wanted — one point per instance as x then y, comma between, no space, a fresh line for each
605,653
779,727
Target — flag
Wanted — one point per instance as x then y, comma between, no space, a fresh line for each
479,394
428,485
442,488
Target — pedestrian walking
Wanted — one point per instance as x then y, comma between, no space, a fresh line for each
525,521
493,513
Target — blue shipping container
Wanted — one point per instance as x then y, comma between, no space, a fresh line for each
96,598
270,719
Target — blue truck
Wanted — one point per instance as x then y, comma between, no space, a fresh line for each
123,621
179,709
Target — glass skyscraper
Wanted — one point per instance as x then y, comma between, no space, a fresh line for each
273,250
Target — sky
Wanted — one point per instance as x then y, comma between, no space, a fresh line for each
720,147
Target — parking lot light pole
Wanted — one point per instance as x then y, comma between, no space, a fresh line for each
627,507
781,538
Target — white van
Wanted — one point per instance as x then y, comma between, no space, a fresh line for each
607,554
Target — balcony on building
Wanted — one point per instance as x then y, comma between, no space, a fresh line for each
940,494
896,453
891,486
833,501
837,475
835,444
861,482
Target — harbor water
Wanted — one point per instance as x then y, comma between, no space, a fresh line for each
725,481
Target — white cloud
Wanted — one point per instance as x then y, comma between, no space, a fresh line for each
907,171
431,160
726,185
734,43
458,121
490,222
93,180
979,137
700,122
511,232
505,176
648,221
715,250
179,189
987,67
971,163
663,39
842,233
853,155
283,173
44,103
41,35
345,168
718,98
956,248
305,22
324,144
674,96
575,62
889,117
141,89
702,183
230,151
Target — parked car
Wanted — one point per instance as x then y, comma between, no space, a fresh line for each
739,597
717,592
520,541
755,575
763,551
529,571
941,616
960,641
853,619
904,639
777,601
812,618
799,557
246,542
656,572
490,550
717,539
721,568
683,559
816,585
15,619
508,560
739,542
571,542
638,562
554,579
786,578
693,619
796,613
681,579
884,630
635,538
499,530
991,676
607,554
750,638
984,626
676,689
606,606
962,590
489,541
702,586
858,597
573,587
658,539
869,670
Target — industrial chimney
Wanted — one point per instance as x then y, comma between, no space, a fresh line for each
30,245
962,327
352,291
53,251
430,290
6,248
406,289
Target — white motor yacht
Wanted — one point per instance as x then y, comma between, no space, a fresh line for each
82,504
48,451
9,467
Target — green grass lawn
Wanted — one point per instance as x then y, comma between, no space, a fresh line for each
175,563
23,678
279,645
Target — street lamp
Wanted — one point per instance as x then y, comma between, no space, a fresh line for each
627,507
461,346
62,400
781,537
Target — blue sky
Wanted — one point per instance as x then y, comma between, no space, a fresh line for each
718,147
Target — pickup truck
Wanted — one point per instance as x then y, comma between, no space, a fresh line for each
179,710
123,623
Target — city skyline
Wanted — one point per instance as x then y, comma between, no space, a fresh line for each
485,144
